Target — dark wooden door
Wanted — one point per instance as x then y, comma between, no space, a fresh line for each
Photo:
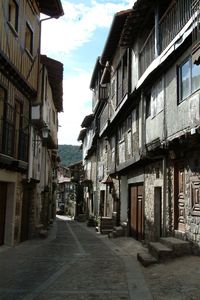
158,212
102,203
3,195
179,197
137,211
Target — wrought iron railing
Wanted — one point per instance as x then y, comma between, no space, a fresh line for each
23,146
13,142
101,94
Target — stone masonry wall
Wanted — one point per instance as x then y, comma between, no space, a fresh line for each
153,179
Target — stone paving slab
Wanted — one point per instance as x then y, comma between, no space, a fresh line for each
75,263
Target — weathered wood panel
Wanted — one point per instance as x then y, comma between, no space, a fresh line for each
12,43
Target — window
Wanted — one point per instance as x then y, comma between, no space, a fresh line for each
29,39
195,196
195,77
189,79
157,98
121,131
13,11
134,121
119,84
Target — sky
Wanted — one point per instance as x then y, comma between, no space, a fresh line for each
76,40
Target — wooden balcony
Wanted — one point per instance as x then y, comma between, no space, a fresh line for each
101,94
104,118
173,21
170,24
196,32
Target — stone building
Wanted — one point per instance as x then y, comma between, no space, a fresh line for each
70,199
20,31
149,124
42,181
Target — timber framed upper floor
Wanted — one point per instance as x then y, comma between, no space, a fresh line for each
20,40
151,34
148,69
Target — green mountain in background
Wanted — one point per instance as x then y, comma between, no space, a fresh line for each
69,154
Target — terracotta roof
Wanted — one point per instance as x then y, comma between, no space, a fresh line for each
52,8
55,76
114,35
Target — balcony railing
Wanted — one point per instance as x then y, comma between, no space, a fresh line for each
174,19
13,143
147,53
196,29
100,95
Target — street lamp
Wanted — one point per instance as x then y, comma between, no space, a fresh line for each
45,132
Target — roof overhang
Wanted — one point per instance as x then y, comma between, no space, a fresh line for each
52,8
95,73
87,120
12,73
82,134
137,18
114,35
105,78
55,76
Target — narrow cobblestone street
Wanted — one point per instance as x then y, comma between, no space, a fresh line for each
73,263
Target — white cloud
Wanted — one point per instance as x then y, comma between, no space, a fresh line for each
78,24
63,36
76,95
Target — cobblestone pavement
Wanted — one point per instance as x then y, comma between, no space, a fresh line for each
177,279
74,263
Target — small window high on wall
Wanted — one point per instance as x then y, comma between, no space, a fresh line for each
13,14
29,39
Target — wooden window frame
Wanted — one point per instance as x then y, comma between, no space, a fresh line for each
13,15
191,90
29,39
195,196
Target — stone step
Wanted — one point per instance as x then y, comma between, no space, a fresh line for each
118,231
146,259
106,225
107,221
178,246
160,251
106,231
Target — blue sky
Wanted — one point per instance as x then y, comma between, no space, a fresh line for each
76,40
